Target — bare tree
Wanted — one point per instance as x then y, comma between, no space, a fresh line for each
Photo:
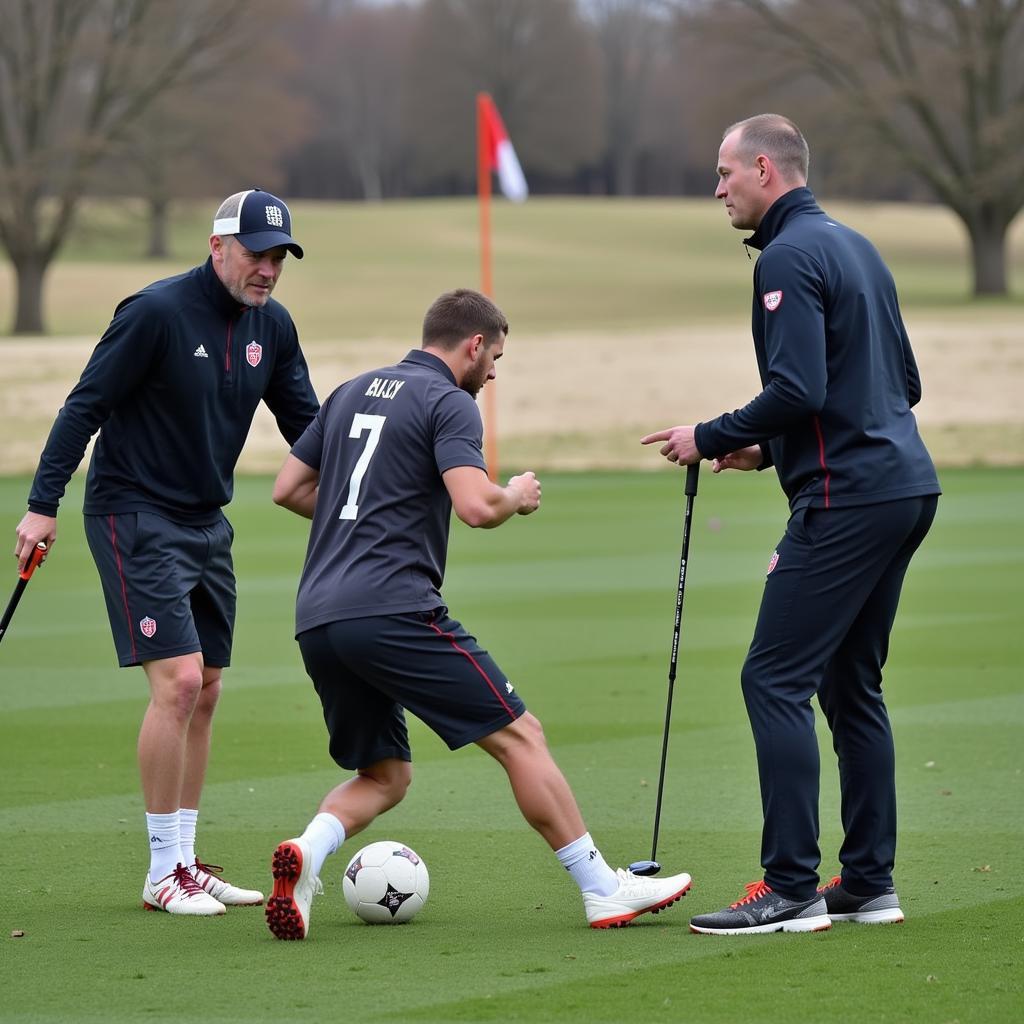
939,83
192,144
537,60
75,76
632,35
356,58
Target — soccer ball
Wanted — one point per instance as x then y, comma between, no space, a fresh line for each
386,883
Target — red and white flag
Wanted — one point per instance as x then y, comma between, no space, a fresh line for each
502,156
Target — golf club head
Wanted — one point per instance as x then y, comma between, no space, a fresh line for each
645,867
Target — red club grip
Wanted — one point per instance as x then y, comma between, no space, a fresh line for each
34,562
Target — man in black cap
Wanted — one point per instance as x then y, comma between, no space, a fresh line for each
172,388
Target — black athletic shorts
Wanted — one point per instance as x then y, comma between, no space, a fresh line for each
170,589
367,670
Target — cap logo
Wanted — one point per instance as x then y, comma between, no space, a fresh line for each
253,353
259,220
772,301
148,626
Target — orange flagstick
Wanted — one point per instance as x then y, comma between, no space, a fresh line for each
484,148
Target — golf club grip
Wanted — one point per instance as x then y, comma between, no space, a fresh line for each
19,588
34,562
692,475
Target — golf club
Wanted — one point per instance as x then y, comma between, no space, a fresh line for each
23,577
652,867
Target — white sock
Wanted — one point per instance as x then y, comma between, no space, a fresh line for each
164,844
324,835
187,818
583,860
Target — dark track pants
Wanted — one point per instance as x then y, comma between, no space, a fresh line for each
823,628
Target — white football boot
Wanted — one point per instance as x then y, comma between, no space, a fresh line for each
295,886
180,893
209,878
635,895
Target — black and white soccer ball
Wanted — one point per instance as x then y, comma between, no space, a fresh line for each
386,883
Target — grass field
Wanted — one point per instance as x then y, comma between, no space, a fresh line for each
576,604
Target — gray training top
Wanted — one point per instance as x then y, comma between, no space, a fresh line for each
379,538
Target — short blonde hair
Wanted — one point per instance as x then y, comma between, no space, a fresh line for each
777,138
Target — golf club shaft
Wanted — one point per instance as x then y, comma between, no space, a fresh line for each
692,475
19,588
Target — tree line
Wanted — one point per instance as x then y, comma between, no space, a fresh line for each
373,99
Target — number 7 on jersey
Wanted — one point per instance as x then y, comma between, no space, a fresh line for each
361,423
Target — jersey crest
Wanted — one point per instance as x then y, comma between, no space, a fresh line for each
253,353
772,301
772,562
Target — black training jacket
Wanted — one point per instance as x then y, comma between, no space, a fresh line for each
174,383
836,365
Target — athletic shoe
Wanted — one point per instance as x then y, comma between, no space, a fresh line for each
635,895
179,893
842,905
762,911
208,877
295,886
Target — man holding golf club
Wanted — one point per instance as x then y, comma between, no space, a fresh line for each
834,418
172,388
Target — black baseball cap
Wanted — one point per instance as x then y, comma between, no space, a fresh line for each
258,220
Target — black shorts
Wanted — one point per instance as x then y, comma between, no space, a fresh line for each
169,589
367,670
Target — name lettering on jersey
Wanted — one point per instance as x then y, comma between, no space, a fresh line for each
381,387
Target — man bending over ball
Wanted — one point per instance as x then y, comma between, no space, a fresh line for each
378,471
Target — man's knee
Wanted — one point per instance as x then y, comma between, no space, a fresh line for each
768,697
752,684
393,776
209,695
524,736
532,731
830,694
176,684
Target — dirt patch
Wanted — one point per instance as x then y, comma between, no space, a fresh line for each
584,399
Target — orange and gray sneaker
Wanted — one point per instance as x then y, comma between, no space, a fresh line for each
636,895
762,911
295,885
180,893
843,905
209,878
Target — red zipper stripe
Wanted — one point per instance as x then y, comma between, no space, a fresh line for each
821,459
